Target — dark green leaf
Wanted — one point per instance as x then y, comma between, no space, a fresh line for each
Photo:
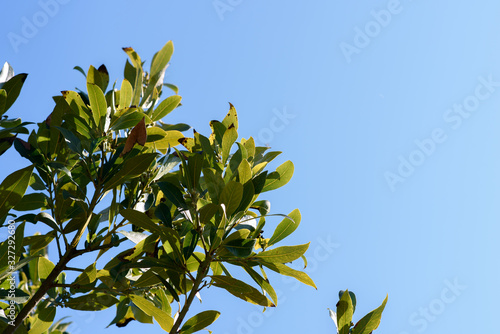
20,296
173,194
240,247
47,219
95,301
32,201
71,139
132,168
140,219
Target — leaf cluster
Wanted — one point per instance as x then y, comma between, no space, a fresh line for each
179,211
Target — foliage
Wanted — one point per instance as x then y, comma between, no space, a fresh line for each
345,310
175,213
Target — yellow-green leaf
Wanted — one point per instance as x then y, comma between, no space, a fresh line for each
344,313
286,227
97,102
88,276
166,107
287,271
280,177
126,92
199,322
282,254
13,188
241,290
162,318
371,321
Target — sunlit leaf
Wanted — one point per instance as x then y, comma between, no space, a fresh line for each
199,322
344,313
13,188
286,227
241,290
162,318
282,254
371,321
280,177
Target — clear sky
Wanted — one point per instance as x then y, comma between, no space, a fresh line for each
390,111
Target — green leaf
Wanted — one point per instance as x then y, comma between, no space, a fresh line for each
199,322
344,313
95,301
162,318
79,69
173,194
230,136
75,102
140,219
280,177
136,61
13,188
244,171
160,60
241,290
38,242
3,101
240,247
16,267
42,319
32,201
282,254
371,321
214,183
13,88
126,92
71,139
97,102
47,219
231,118
286,227
20,296
263,283
172,242
231,196
166,107
287,271
132,168
89,275
99,77
127,119
44,267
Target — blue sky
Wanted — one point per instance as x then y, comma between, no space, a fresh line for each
389,110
